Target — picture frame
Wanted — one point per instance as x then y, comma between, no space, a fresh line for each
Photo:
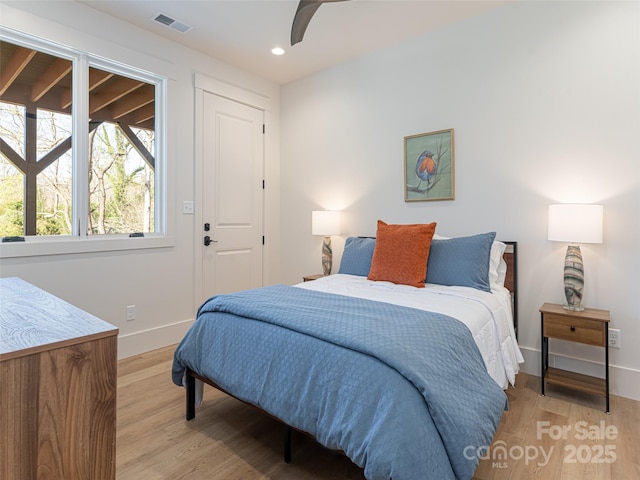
429,173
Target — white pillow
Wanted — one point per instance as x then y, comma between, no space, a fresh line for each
497,265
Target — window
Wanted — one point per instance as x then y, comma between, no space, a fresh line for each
80,144
121,154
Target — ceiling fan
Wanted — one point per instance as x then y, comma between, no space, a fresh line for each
306,9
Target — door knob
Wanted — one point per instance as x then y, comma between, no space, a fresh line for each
208,241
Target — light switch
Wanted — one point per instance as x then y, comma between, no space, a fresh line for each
187,207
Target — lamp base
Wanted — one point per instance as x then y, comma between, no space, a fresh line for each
574,308
327,256
573,278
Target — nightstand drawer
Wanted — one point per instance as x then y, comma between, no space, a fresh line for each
574,329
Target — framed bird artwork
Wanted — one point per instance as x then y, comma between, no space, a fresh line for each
428,166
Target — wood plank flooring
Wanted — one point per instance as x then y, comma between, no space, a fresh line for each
230,440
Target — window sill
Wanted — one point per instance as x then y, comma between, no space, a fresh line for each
34,247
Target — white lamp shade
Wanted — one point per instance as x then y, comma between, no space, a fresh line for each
575,223
325,223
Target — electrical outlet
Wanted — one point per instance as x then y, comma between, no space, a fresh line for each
131,312
615,340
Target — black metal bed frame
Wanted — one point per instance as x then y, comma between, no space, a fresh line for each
191,377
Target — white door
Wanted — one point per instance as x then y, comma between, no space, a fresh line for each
232,192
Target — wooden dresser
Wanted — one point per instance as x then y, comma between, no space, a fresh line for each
57,388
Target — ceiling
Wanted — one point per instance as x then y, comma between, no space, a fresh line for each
243,32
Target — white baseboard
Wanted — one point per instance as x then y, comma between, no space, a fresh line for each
152,339
624,382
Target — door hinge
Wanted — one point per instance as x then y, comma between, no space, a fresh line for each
263,128
263,239
263,184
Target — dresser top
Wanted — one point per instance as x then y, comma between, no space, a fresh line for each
32,320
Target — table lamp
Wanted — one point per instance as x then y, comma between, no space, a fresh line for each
325,223
575,223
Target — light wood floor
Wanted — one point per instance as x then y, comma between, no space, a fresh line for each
230,440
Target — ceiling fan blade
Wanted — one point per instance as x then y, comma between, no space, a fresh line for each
306,9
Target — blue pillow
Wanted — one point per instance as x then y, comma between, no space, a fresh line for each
462,261
357,255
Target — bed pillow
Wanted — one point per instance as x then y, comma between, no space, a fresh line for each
401,252
497,265
461,261
357,256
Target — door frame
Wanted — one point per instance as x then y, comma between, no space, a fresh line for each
213,86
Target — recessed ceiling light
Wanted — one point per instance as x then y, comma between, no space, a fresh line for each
277,51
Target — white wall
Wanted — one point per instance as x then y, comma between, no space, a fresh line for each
160,282
544,98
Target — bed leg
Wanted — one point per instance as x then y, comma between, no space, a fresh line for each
191,396
287,444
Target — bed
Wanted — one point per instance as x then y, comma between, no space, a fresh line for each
407,382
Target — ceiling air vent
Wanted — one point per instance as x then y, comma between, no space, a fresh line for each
167,21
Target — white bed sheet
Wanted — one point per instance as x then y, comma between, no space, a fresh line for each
487,315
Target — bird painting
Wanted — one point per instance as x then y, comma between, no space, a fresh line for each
432,176
426,167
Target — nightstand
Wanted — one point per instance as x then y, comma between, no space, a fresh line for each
311,278
590,327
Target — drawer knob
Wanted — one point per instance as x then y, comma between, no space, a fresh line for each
573,329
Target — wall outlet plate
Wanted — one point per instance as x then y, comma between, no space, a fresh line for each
614,338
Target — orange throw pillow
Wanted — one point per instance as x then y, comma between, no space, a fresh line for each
401,253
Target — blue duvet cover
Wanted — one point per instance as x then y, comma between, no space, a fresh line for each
403,392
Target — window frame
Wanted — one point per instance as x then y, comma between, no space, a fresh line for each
80,241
